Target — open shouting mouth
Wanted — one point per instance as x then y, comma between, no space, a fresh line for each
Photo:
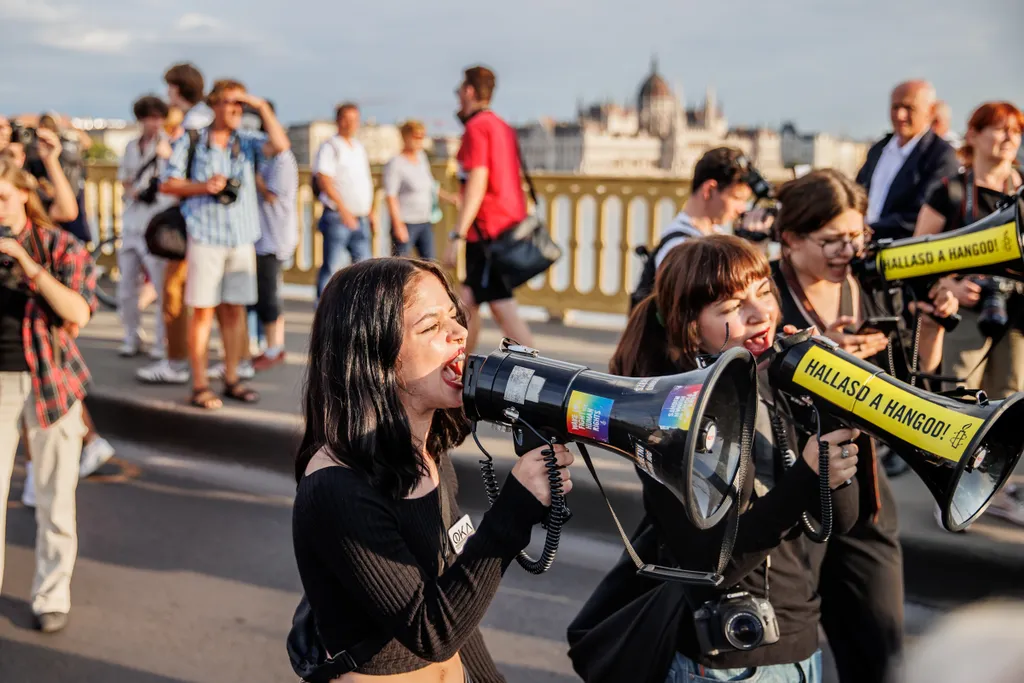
452,371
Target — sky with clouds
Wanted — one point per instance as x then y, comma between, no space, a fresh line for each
827,64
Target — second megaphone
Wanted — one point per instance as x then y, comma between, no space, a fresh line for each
688,431
964,451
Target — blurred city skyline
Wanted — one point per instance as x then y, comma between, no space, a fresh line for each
826,66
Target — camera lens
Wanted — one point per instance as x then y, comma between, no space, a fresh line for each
744,630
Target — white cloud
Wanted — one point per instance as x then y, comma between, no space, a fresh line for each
35,11
92,41
193,21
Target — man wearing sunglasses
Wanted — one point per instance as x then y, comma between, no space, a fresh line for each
218,192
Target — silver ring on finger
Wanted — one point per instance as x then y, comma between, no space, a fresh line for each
845,453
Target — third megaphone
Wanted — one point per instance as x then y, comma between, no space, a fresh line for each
964,451
991,246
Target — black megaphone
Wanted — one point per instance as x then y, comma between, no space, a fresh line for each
689,432
990,246
963,451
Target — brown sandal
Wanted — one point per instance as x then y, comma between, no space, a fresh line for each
205,398
240,392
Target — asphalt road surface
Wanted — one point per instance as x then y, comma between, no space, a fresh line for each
186,575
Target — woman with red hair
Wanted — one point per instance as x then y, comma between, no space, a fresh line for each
994,361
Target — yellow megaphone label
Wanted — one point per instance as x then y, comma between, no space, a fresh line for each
877,399
951,254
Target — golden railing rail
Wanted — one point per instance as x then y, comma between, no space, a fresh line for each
598,221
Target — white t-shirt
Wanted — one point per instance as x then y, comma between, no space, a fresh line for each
681,223
889,164
198,117
346,162
136,215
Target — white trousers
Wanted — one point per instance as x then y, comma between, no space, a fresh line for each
132,260
56,452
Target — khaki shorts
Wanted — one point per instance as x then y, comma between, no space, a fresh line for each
220,275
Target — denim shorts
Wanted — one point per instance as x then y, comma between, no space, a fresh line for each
684,670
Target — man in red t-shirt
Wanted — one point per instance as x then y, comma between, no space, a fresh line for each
492,202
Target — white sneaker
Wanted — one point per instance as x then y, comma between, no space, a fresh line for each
95,455
163,372
245,370
28,496
129,348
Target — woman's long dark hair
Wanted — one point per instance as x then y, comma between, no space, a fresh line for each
352,399
661,337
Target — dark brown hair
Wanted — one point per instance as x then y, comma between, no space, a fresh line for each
344,107
721,165
149,105
990,114
810,202
693,275
352,400
483,82
220,87
188,80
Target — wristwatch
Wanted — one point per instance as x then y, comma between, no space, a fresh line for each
455,236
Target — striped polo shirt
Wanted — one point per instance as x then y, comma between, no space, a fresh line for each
209,221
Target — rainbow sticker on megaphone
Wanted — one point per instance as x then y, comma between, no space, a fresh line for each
588,416
677,411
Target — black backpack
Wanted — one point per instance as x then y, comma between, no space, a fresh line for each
646,284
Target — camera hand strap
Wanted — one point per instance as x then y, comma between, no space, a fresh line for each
687,576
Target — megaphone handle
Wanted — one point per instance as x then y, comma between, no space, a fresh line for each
949,323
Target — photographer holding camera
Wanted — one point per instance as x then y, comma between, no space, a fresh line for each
47,288
986,351
144,159
213,172
52,187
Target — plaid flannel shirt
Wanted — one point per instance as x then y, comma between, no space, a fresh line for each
58,379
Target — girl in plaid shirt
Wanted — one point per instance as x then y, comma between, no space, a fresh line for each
46,293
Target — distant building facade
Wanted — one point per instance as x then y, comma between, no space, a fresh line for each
659,136
382,142
822,150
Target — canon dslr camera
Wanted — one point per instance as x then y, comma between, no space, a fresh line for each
735,621
993,317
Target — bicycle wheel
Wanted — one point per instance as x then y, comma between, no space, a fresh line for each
107,276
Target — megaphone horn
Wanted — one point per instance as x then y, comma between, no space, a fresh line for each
964,452
990,246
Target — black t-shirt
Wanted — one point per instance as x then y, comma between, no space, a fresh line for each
952,203
12,317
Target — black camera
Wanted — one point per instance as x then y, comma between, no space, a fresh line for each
148,195
762,190
735,621
995,293
23,134
230,192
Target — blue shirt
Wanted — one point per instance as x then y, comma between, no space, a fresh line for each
209,221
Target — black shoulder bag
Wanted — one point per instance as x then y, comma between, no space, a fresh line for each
523,251
167,233
310,659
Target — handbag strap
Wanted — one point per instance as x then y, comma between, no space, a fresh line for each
446,517
669,573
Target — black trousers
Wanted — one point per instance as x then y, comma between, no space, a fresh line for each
861,588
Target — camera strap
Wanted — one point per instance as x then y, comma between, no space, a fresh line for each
685,576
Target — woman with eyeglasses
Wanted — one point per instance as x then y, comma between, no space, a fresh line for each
821,230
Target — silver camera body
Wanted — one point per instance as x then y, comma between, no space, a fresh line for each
735,621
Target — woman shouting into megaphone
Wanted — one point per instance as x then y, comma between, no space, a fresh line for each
761,623
821,229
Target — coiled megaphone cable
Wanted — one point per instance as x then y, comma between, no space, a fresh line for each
824,490
557,512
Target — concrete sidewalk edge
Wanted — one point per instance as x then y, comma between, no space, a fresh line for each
935,571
